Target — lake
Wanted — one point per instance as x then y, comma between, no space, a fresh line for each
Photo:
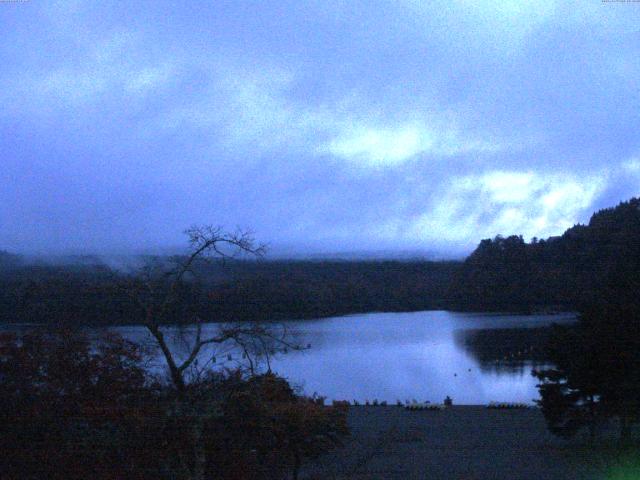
418,355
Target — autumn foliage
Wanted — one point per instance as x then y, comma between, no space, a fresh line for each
74,407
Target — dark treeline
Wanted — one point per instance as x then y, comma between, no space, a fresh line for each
565,272
87,293
281,290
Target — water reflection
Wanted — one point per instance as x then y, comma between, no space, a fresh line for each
422,355
474,358
512,349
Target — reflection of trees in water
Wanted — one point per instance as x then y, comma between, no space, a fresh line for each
507,350
521,368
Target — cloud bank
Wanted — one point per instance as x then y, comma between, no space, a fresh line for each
322,126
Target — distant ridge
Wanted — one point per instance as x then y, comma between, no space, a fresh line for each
367,255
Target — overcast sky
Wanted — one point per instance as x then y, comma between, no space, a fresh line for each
320,125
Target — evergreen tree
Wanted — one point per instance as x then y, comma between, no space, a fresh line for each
597,370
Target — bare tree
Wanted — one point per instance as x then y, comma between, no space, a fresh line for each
156,291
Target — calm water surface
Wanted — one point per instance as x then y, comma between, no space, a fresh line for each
390,356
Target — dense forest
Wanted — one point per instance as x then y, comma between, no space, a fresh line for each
564,272
502,274
90,293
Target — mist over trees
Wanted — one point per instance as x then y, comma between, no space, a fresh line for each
9,261
502,274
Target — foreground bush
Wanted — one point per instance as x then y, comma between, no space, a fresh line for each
75,409
264,430
71,408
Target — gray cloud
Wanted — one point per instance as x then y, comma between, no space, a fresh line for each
320,125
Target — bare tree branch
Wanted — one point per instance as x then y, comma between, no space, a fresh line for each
155,291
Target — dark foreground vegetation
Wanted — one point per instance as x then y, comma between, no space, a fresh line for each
596,373
75,409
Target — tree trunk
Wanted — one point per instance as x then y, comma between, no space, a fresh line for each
174,371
